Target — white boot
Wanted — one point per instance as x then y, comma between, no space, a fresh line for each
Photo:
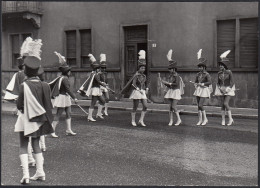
141,121
105,111
171,118
205,121
39,175
178,119
133,118
54,125
25,167
68,130
31,160
99,112
42,143
230,119
90,112
223,117
200,117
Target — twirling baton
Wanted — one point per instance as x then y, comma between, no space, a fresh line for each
141,93
82,109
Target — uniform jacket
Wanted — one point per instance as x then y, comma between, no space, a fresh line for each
63,89
203,77
225,78
138,80
174,80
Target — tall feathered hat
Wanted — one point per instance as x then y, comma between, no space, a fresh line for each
224,58
103,61
63,66
172,63
141,58
31,53
94,64
202,60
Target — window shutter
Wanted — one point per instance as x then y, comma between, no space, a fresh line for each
71,47
248,42
226,31
15,49
85,40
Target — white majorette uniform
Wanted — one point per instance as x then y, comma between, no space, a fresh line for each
60,87
206,89
139,81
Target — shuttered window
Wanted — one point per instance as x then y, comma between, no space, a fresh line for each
16,43
241,39
71,47
85,41
248,43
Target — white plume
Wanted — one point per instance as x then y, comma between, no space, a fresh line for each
102,57
92,58
199,53
225,54
169,55
141,54
31,47
62,59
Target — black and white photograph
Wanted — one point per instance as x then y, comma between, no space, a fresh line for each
100,93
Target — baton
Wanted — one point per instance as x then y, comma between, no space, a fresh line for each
82,109
142,94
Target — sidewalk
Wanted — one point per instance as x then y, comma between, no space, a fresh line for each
248,113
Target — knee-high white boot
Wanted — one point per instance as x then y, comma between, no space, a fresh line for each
25,167
141,121
171,118
54,125
90,112
68,130
99,112
31,160
106,108
133,118
230,119
40,174
178,118
223,117
205,121
200,117
42,143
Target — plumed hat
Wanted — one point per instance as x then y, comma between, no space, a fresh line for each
63,66
31,53
201,61
141,58
94,64
172,63
224,60
103,61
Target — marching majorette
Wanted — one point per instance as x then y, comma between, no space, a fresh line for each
92,87
103,78
62,94
203,88
225,87
12,89
139,85
34,104
175,89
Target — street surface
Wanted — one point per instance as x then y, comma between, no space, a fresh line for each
112,152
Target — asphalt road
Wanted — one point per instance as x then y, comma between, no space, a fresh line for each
112,152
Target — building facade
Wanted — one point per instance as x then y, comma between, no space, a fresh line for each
121,29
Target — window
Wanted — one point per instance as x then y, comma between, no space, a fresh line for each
16,43
78,46
241,37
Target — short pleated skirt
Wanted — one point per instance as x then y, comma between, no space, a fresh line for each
173,94
103,89
230,93
202,92
138,95
21,124
95,91
61,101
